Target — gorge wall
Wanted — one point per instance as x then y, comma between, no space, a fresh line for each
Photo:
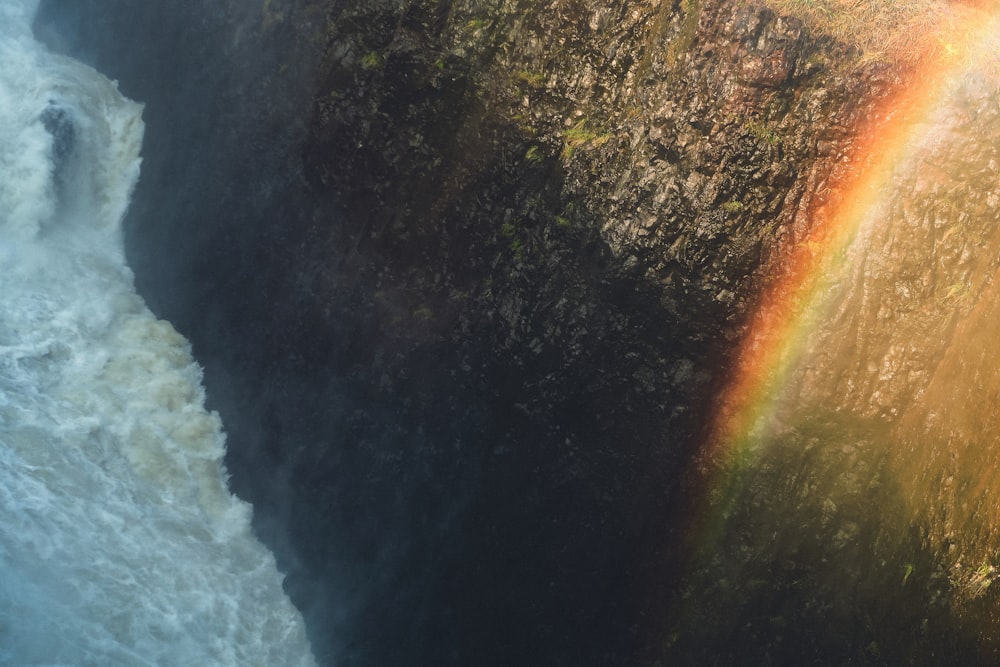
465,277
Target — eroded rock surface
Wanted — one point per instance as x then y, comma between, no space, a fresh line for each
465,277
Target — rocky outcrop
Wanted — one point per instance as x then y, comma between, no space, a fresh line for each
464,277
597,190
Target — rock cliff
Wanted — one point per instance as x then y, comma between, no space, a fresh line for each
465,276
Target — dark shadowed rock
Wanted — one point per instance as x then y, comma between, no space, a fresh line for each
464,277
59,123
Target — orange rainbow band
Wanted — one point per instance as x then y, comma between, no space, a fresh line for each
883,148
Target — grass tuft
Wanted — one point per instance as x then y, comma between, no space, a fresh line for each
582,135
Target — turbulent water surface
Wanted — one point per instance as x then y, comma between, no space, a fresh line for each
120,543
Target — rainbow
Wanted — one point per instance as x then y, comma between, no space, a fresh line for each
775,336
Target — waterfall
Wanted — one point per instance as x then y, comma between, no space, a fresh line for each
120,543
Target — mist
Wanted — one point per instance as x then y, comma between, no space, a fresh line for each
542,333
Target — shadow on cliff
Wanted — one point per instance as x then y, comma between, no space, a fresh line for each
444,396
529,380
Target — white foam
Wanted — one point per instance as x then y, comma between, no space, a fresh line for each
120,543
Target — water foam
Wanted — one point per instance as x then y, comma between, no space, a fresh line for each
120,543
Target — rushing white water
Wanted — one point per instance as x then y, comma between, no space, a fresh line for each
120,543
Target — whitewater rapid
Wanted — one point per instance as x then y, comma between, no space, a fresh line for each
120,543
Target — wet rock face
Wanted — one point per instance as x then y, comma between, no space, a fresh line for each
59,123
869,492
568,207
464,277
